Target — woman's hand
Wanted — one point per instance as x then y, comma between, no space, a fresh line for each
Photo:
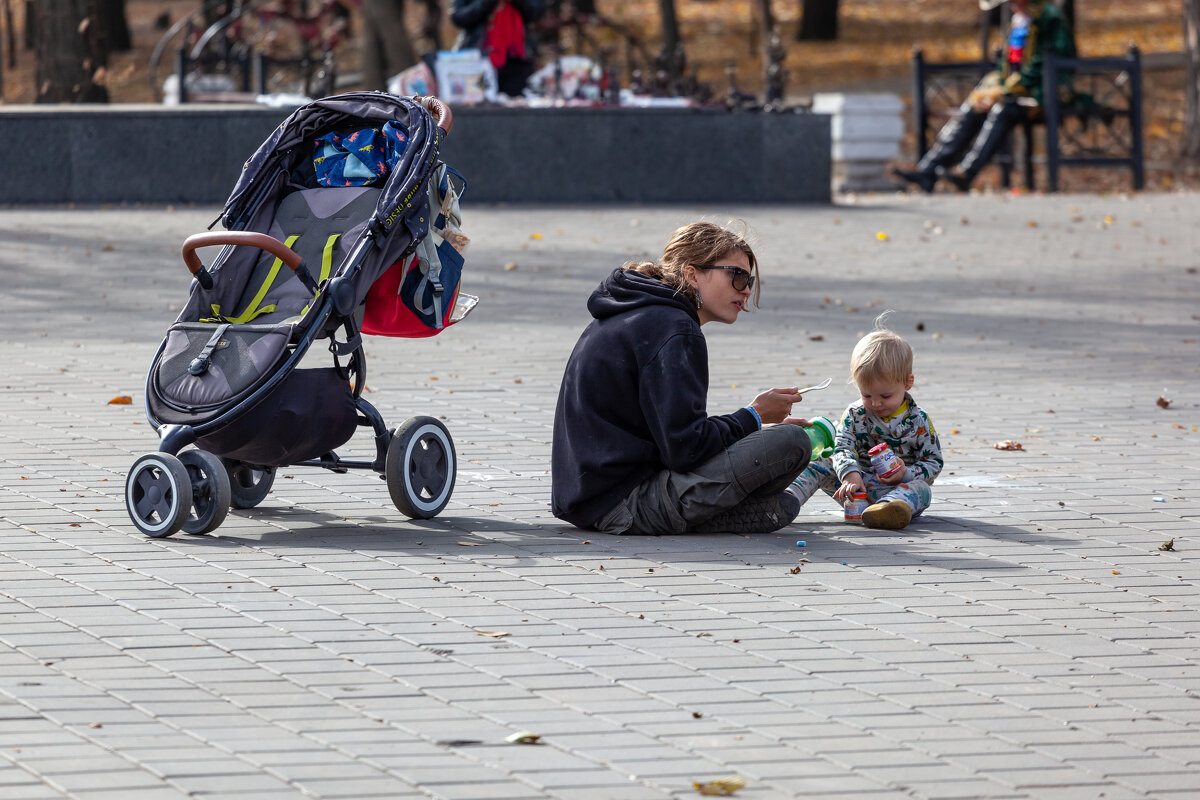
775,405
850,484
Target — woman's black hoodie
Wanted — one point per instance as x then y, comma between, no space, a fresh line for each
633,399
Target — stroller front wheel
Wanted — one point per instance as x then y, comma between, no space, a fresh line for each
210,491
158,494
421,467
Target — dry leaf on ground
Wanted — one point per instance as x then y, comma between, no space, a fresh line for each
720,786
1008,444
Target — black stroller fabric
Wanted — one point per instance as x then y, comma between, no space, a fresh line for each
204,367
309,414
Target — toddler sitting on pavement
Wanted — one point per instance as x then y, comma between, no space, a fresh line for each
881,367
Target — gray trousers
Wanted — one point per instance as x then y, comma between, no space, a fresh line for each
760,465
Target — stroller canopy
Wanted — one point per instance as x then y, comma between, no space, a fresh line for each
401,217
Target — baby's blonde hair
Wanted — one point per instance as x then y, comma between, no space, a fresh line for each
881,355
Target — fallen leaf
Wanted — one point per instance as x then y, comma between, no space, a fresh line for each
1116,572
121,400
470,544
1163,402
510,266
1008,444
1169,544
881,236
721,786
535,236
795,570
523,737
493,634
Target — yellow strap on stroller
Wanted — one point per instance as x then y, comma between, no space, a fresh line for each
326,266
253,310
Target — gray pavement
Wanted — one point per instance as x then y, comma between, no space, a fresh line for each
1027,638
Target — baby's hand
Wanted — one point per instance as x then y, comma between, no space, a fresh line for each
850,484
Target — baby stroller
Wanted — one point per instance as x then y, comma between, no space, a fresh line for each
349,194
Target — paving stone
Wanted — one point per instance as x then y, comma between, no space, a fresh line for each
1025,639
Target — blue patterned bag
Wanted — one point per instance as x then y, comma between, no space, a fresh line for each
360,158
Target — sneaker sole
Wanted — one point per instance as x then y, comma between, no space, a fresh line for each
890,516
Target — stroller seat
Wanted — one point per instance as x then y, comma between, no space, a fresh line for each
319,224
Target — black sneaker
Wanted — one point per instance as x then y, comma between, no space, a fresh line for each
754,515
925,181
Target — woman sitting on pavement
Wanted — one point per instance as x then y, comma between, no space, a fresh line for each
634,449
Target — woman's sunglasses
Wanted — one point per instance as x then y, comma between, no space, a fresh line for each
742,280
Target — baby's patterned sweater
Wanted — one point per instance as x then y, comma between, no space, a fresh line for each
908,432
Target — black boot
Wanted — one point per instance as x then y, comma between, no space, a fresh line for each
754,515
996,128
925,181
951,140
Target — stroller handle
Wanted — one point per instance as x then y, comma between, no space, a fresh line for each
440,111
260,240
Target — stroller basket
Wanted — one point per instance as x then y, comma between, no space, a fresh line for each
297,264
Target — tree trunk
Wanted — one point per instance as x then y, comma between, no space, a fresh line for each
671,57
431,24
818,21
68,53
1191,46
114,26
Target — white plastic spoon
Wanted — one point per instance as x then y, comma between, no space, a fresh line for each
822,385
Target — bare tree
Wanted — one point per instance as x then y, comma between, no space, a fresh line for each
1191,45
114,26
387,49
69,52
671,58
818,20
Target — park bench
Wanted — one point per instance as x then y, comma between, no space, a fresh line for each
1100,125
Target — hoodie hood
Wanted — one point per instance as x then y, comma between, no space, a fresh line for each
624,290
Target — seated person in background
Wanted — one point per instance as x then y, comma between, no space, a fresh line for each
1001,100
503,31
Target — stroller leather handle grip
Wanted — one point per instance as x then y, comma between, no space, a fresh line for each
260,240
440,111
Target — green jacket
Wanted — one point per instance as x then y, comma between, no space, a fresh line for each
1048,34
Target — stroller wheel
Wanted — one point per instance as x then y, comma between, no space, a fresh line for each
421,467
250,485
210,491
158,494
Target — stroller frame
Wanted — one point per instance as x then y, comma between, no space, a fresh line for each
175,488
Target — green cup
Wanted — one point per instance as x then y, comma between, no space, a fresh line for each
822,433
